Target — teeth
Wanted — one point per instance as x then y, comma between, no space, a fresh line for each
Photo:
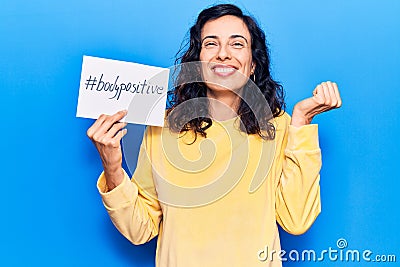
224,70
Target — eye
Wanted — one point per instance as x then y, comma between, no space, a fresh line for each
210,44
237,44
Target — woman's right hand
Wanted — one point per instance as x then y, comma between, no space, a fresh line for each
106,134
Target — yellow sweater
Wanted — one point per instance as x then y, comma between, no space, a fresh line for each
180,193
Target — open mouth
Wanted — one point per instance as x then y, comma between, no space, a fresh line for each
223,70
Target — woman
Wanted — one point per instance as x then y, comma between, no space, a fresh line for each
261,183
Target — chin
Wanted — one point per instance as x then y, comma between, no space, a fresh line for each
219,84
226,87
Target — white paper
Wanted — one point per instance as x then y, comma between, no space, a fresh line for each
108,86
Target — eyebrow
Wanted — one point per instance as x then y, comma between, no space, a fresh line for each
230,37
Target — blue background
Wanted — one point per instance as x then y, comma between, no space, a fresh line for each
52,214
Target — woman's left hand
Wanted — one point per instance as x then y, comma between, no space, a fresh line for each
325,97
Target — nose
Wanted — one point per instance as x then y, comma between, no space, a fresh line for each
223,53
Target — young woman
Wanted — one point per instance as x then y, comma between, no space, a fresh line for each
229,163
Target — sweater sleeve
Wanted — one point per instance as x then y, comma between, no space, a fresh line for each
132,207
298,192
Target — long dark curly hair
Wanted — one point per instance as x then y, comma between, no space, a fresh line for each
181,120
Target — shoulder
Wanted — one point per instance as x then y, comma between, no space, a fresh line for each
282,122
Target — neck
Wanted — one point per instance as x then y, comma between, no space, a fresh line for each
223,105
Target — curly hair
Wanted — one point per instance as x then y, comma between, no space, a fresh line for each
182,120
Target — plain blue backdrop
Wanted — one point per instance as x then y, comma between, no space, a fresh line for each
52,214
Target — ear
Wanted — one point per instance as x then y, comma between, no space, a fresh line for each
253,67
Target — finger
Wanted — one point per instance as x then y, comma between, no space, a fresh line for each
115,128
109,121
319,94
111,141
326,93
336,90
332,95
117,138
93,129
329,94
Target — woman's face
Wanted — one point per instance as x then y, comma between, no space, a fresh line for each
226,53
